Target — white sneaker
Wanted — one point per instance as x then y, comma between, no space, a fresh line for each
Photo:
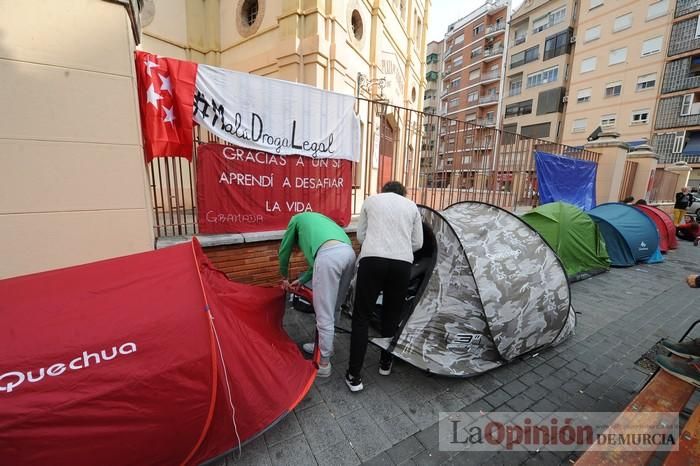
324,371
308,347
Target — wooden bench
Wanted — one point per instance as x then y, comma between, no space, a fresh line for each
665,393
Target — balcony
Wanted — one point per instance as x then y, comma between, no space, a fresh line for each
490,76
493,52
683,7
495,28
669,115
487,99
681,75
486,121
683,37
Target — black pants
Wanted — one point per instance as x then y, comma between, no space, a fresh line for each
375,275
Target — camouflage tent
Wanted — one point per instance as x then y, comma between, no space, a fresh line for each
493,290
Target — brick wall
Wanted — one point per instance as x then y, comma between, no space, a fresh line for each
256,263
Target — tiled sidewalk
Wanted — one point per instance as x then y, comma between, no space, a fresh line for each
394,420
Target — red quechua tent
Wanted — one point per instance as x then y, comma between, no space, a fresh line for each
667,230
143,359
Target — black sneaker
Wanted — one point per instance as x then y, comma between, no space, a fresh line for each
689,349
688,371
353,383
385,363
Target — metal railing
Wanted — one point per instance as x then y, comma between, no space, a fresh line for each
487,165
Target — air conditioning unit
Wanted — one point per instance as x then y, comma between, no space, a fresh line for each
573,39
565,99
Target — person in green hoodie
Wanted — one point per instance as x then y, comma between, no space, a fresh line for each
331,260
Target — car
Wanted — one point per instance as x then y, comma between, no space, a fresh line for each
694,208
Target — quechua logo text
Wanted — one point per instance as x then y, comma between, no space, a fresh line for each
11,381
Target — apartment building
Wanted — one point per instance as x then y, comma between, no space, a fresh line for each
471,83
538,66
677,122
617,69
431,105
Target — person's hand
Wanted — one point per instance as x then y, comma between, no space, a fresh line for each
294,285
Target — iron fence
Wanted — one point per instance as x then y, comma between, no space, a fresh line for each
440,160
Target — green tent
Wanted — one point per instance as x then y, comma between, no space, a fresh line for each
573,235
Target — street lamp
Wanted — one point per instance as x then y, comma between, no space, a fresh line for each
367,85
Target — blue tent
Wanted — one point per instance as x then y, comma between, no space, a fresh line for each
630,236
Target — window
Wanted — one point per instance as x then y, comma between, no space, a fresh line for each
579,125
687,104
613,89
459,40
622,22
249,12
592,34
584,95
432,58
595,4
648,81
519,108
453,102
356,23
473,97
549,20
543,77
476,52
526,56
458,61
697,29
479,29
640,117
539,131
617,56
588,64
657,9
516,86
608,121
470,117
556,45
431,75
474,74
454,84
652,46
678,142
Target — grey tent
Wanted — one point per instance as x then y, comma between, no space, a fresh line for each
487,290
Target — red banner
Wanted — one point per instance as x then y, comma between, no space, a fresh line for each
241,190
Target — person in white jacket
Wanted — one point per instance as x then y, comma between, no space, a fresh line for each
390,229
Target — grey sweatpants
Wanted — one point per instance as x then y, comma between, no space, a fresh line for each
334,267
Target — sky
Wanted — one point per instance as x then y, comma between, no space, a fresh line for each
445,12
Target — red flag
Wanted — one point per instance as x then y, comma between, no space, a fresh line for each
166,92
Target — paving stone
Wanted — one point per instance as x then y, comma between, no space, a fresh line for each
377,403
312,398
365,436
544,370
340,454
404,450
381,459
339,400
544,405
320,428
486,383
432,457
520,403
292,452
514,387
252,454
429,437
418,409
536,392
285,429
498,397
398,428
551,383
